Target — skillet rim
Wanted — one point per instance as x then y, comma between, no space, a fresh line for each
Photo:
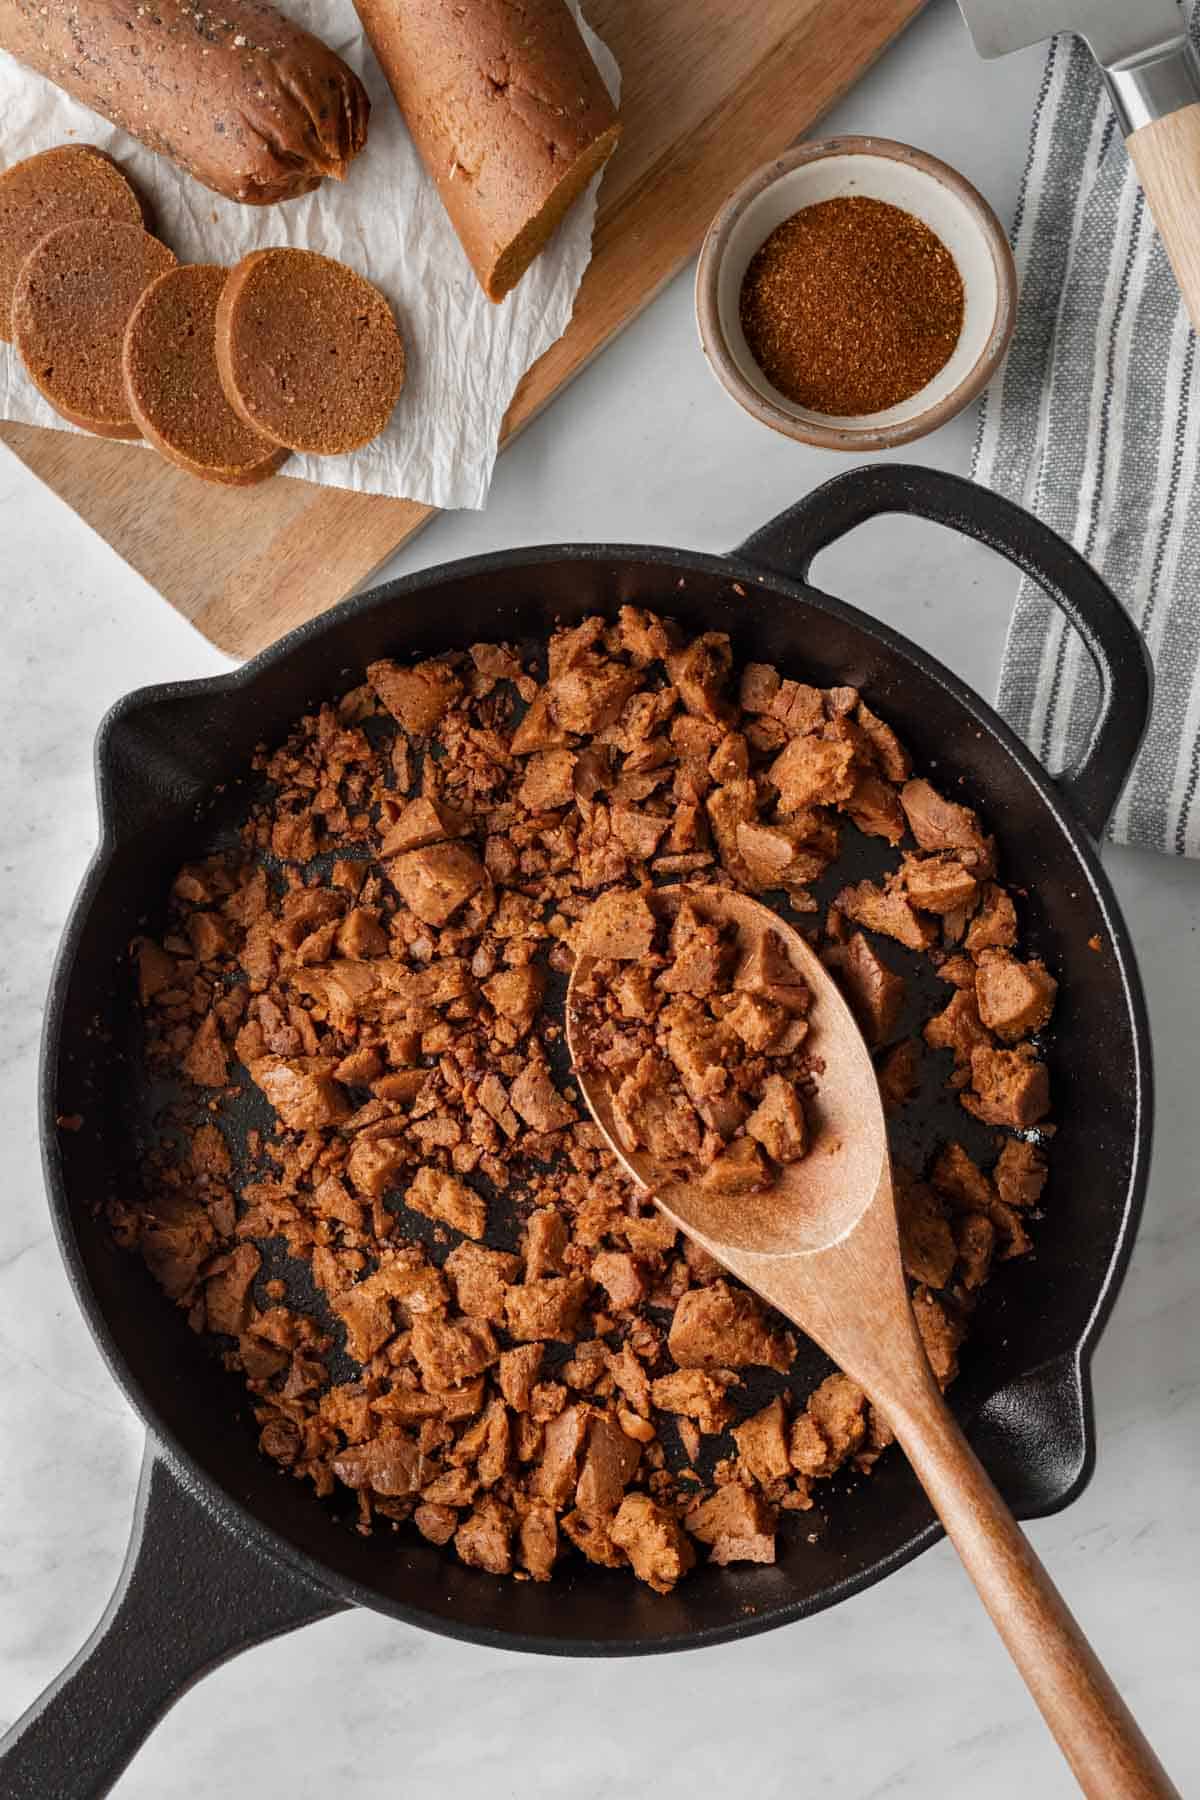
245,1525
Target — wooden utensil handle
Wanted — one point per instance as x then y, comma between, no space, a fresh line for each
1166,155
1095,1730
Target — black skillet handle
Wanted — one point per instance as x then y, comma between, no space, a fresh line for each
190,1596
788,544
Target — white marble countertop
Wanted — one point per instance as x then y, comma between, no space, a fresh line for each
903,1691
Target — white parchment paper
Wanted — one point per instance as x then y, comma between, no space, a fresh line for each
465,355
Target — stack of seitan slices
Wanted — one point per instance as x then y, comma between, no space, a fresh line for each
222,372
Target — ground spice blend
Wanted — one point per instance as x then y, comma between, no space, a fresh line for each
851,306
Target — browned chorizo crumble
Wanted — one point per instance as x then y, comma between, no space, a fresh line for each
442,1293
701,1043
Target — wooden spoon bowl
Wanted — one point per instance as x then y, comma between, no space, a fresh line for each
822,1197
822,1246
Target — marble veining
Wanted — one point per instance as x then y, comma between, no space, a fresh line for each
904,1692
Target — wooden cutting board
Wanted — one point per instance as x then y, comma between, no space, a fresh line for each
710,89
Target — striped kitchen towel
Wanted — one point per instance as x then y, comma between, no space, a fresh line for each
1094,425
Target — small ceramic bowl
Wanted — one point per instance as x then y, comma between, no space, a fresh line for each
882,170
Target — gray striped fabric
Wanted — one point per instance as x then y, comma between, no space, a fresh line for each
1094,424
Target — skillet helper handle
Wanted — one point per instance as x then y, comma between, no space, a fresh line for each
1157,101
789,543
1096,1732
190,1595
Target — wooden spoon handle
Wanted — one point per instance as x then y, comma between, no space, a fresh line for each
1095,1730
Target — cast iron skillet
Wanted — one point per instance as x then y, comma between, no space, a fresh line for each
225,1551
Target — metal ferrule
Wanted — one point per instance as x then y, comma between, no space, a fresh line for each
1150,87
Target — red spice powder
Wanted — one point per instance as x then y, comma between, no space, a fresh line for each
851,306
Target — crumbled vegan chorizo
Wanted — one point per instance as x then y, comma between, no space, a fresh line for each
927,1247
205,1062
390,1465
481,1279
959,1029
423,821
535,1097
719,1327
938,883
621,1276
778,1121
759,685
546,1309
941,1333
737,1525
994,926
512,1354
1015,998
874,808
697,1395
516,994
812,771
485,1540
442,1197
556,1474
658,1550
762,1443
963,1184
875,991
1020,1173
419,697
619,926
537,1537
681,1043
1008,1087
939,824
899,1074
435,881
887,910
609,1465
449,1353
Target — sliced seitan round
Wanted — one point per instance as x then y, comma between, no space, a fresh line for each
309,352
172,385
72,303
73,181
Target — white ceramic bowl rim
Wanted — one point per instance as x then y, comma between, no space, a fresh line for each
904,177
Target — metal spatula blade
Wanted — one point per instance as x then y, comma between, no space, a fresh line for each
1115,31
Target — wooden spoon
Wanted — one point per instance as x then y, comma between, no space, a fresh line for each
821,1245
